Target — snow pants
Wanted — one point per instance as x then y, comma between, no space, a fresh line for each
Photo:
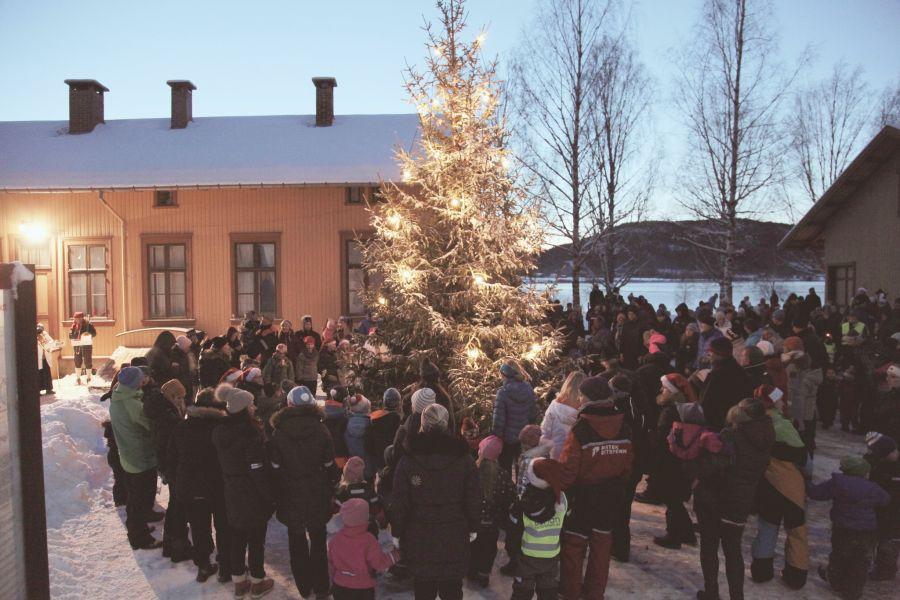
774,508
120,488
574,548
141,489
202,514
249,547
886,557
539,575
483,550
849,407
621,549
175,529
848,563
715,531
309,561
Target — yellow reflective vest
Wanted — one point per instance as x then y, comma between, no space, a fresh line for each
541,540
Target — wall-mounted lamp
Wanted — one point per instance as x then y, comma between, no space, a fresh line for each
33,232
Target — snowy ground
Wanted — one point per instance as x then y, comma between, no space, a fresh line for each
90,557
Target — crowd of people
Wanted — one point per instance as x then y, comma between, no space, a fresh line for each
720,404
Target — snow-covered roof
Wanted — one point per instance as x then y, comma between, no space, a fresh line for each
211,151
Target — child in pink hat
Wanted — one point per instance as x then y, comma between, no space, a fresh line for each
354,555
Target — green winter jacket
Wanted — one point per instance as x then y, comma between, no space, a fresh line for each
275,372
131,428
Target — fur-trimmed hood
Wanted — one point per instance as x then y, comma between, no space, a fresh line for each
436,449
204,412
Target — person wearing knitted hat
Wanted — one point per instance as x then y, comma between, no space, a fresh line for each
594,469
249,496
724,492
358,423
854,525
671,483
726,384
215,360
514,408
355,484
883,457
303,461
383,426
435,504
781,497
354,555
497,494
137,454
708,333
421,399
279,368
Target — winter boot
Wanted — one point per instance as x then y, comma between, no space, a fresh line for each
597,573
224,576
150,544
180,550
762,570
205,571
793,577
667,541
241,586
260,587
573,548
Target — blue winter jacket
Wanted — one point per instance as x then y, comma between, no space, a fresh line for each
704,341
854,500
513,410
355,437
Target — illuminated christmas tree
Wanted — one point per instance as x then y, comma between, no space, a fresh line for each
455,239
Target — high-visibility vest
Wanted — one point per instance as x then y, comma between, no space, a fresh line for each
541,540
859,327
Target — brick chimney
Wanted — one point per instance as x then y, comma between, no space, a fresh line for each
324,100
85,104
182,91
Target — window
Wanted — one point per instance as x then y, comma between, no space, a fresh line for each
356,280
165,198
168,275
256,259
87,263
33,253
361,195
840,285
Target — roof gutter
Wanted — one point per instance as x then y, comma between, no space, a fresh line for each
121,256
197,186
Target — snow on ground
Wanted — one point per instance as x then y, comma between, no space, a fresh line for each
90,556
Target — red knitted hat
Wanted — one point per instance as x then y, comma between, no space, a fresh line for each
676,383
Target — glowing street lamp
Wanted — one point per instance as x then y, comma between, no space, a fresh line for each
33,232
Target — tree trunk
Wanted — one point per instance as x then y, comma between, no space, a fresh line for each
576,284
609,260
726,287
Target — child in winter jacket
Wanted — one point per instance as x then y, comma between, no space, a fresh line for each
358,423
354,485
853,524
562,413
496,498
279,368
354,555
883,456
382,428
690,436
542,511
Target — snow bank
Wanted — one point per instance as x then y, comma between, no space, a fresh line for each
75,468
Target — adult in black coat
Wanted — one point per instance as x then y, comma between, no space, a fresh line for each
436,502
198,486
183,368
159,358
724,494
631,341
248,490
303,458
726,385
214,362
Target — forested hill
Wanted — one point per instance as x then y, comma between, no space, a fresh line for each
663,251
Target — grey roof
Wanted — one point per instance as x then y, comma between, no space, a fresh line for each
210,152
809,229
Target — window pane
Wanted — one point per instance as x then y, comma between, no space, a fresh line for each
177,305
77,257
267,293
157,284
98,294
98,257
176,282
245,283
176,256
356,284
245,255
245,303
266,255
78,292
99,306
354,254
157,257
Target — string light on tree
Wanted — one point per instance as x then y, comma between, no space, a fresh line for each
453,287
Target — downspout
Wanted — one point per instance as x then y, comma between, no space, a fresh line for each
122,263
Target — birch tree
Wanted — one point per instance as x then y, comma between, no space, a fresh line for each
730,91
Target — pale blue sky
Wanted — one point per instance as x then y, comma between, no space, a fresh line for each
251,58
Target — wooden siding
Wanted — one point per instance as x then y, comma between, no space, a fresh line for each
866,231
309,219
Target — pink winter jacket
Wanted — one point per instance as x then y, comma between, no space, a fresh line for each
354,556
686,440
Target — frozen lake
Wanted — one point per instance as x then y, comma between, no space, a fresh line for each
673,292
